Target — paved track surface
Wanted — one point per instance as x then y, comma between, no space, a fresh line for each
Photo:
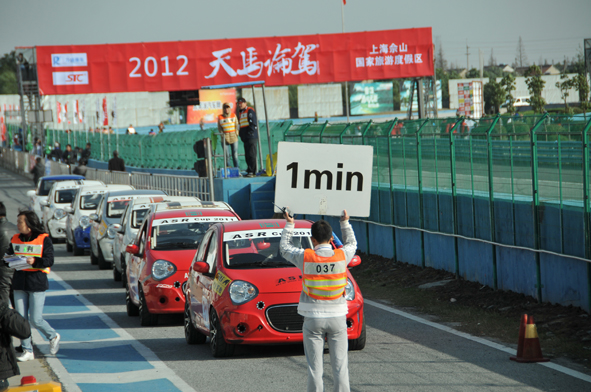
102,345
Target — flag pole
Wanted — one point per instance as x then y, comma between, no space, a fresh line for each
346,83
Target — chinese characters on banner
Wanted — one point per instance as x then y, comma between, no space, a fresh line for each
280,61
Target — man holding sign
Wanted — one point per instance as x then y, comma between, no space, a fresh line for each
322,302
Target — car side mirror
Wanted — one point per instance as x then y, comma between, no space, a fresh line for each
132,249
355,261
44,203
93,217
69,209
31,193
201,267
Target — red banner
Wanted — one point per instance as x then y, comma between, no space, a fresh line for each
279,61
105,115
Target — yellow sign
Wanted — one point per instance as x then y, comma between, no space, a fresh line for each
220,282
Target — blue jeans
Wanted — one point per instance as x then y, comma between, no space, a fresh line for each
234,148
29,304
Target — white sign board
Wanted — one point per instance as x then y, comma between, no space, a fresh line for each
324,179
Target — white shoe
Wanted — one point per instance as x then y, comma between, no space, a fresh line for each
54,344
26,356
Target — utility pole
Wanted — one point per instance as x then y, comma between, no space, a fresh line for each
346,83
467,56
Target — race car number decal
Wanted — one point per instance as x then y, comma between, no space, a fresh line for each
220,283
238,235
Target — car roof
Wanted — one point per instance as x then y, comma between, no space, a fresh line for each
173,201
178,205
105,188
63,177
192,212
69,184
134,192
258,224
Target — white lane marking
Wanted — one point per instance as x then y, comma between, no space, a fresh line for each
149,356
118,378
559,368
55,364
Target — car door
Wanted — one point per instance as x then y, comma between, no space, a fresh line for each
118,245
95,226
203,283
134,267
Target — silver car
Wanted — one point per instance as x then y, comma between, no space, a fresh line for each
109,211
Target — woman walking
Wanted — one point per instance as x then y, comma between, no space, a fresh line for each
30,284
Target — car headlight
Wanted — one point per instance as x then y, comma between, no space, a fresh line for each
111,232
241,292
59,214
349,291
162,269
84,222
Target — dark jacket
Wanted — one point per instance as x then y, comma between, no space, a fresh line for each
57,154
11,324
85,154
34,280
38,171
69,157
116,164
6,272
252,130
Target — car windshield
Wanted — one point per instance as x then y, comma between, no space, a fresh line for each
65,195
116,208
176,236
90,202
259,252
45,187
137,217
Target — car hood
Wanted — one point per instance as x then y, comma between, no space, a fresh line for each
181,258
270,280
80,212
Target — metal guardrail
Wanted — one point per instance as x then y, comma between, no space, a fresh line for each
201,187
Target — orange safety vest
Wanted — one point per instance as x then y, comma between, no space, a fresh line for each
228,124
30,249
324,277
244,118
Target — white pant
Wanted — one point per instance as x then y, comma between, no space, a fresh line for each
335,330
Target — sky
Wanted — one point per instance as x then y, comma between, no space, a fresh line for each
551,30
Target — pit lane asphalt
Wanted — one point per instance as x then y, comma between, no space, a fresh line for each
102,345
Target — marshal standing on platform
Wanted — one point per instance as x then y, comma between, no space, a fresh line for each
249,134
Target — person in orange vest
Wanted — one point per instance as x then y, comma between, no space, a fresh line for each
30,284
322,302
249,134
228,125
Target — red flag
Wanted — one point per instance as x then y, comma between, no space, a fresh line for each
59,112
105,112
345,2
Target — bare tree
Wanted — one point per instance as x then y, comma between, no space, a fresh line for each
520,57
492,61
440,61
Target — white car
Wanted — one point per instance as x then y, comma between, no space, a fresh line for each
109,211
132,219
40,193
78,222
61,195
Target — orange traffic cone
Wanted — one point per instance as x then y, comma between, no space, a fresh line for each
528,346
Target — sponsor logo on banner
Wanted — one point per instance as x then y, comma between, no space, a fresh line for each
70,78
69,60
210,219
266,233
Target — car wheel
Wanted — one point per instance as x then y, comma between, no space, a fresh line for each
78,251
68,246
359,343
146,318
132,310
217,344
192,335
93,258
102,263
116,273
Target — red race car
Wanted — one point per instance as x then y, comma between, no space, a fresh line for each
242,291
161,256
